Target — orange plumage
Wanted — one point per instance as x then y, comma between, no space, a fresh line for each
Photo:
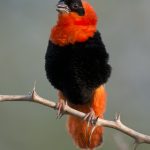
77,127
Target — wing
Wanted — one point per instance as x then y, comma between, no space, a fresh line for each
56,60
89,68
90,62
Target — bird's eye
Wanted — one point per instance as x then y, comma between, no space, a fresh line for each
75,6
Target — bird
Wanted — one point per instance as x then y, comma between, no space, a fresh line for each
77,66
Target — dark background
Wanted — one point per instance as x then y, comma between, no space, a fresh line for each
24,33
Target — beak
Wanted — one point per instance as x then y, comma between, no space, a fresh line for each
62,7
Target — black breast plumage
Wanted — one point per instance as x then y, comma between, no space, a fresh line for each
78,69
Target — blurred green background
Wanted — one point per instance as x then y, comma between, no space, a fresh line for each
24,33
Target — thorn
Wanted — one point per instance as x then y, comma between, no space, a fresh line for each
33,93
34,85
135,145
117,117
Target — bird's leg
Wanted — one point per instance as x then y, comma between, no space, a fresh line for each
91,118
60,105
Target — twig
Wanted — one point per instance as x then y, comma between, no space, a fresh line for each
116,124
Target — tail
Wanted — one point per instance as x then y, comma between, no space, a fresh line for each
78,127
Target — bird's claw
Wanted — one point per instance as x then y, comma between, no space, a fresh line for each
60,107
91,118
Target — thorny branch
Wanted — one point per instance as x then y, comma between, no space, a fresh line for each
116,124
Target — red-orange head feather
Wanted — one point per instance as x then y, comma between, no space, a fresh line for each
71,27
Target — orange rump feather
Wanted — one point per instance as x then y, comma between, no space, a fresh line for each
78,127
